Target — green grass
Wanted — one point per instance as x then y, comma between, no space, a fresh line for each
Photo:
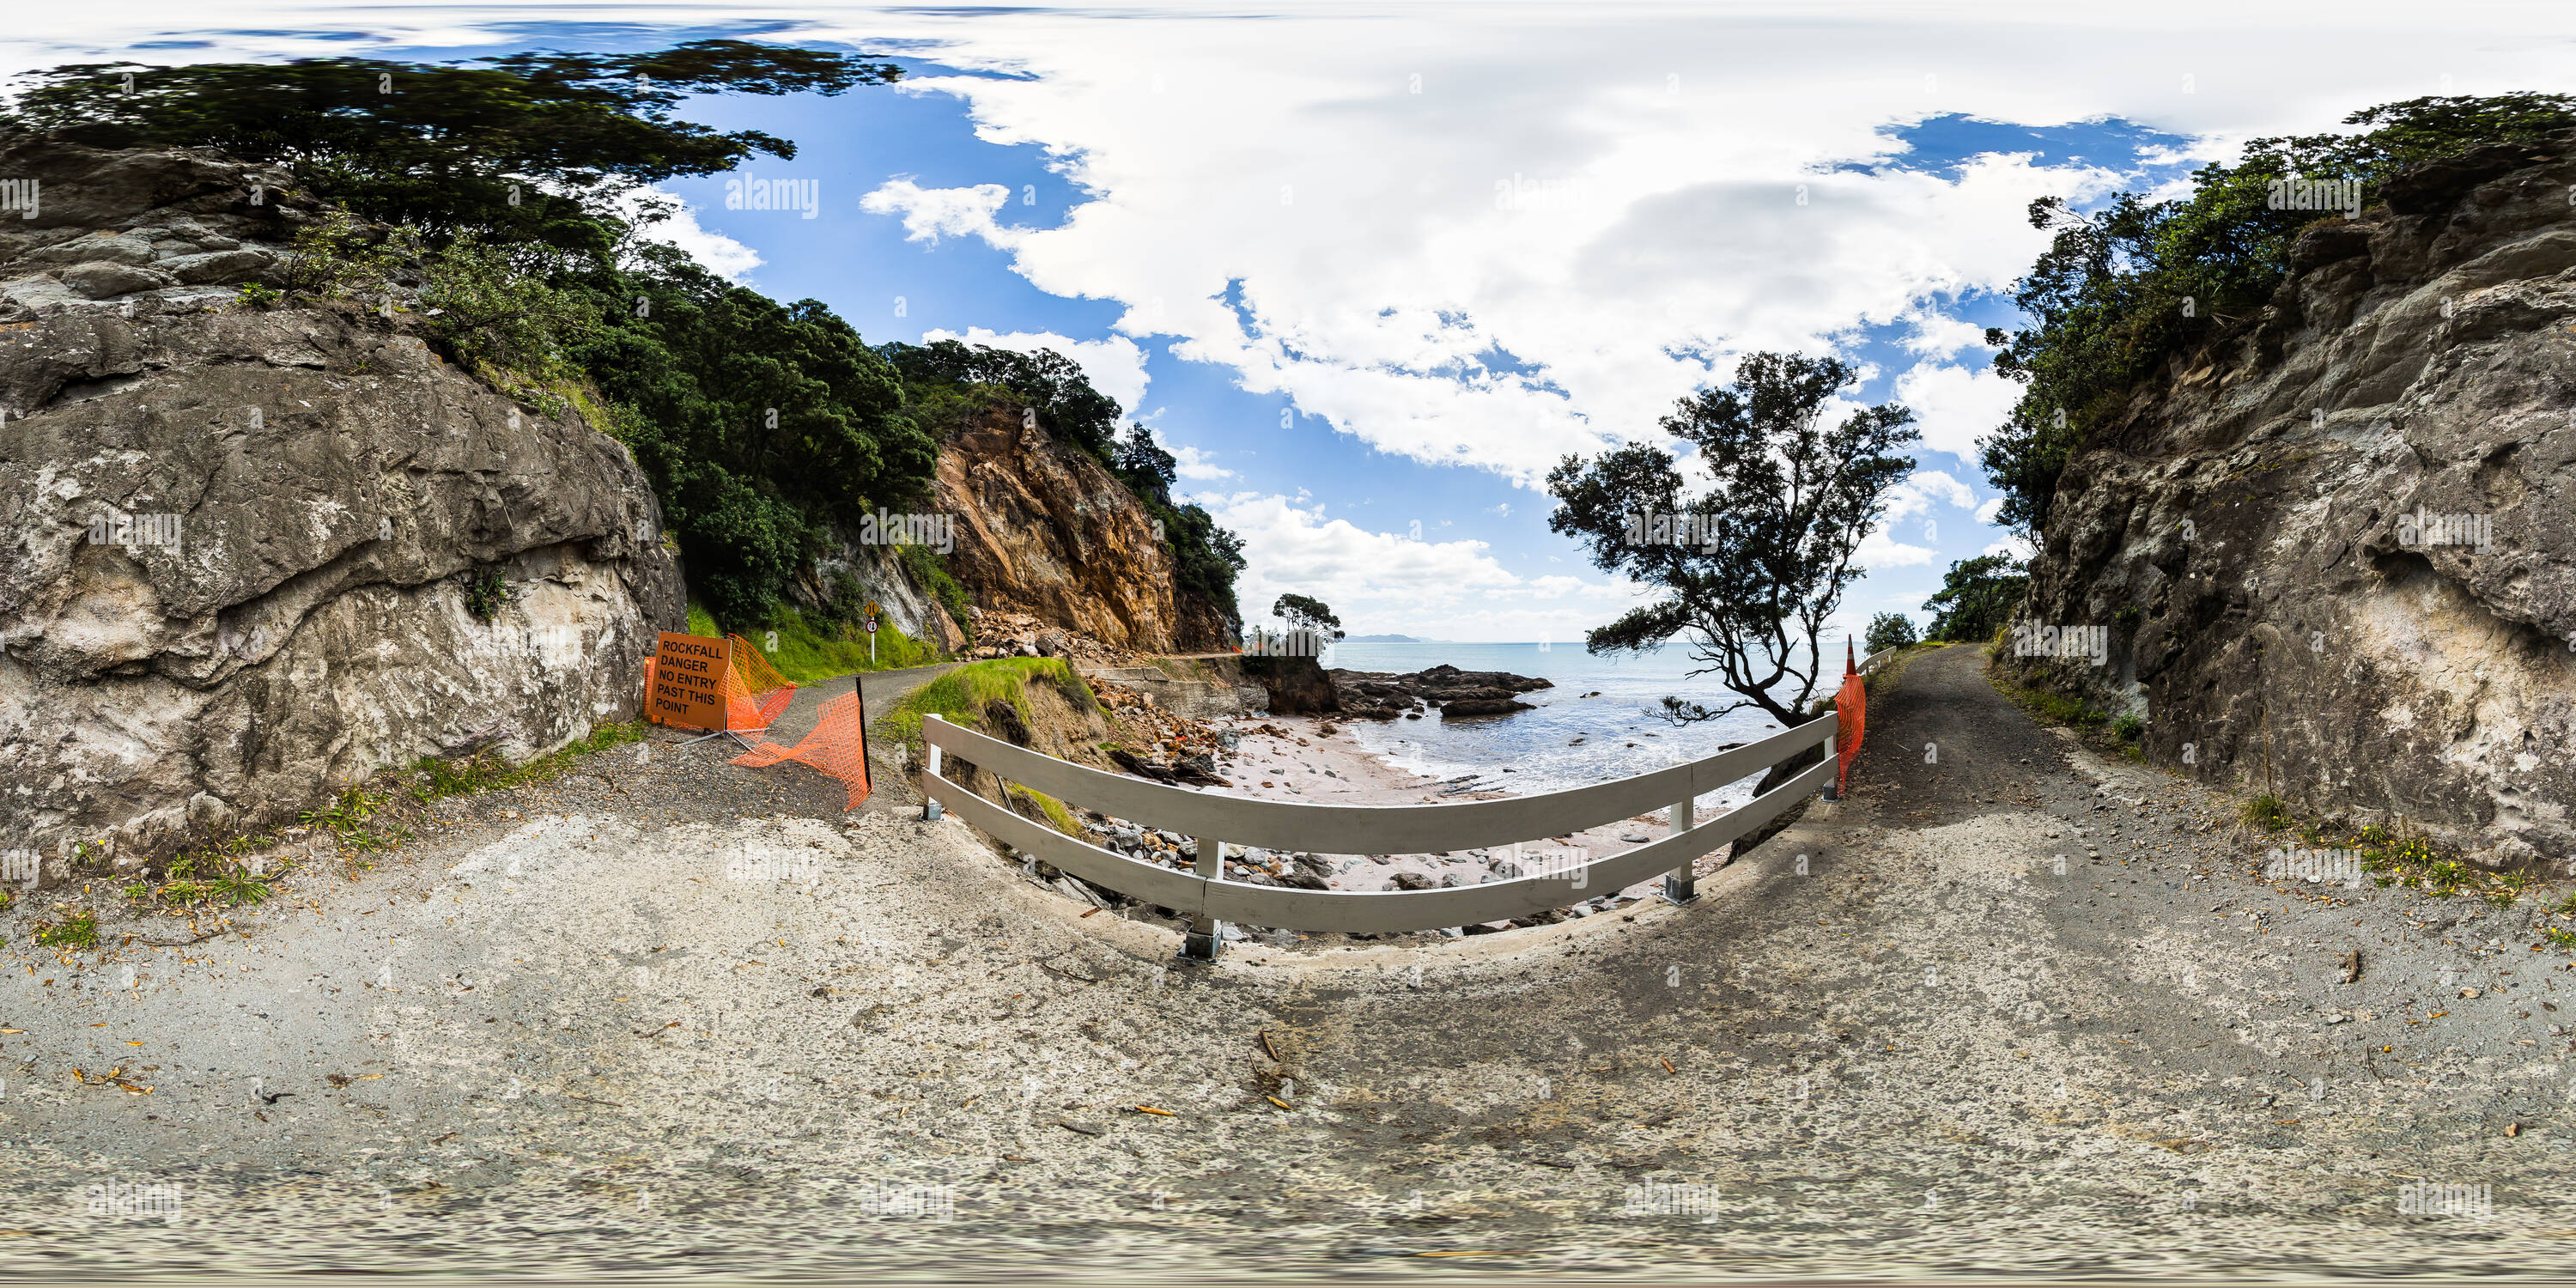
961,695
1057,816
80,930
2268,813
2129,727
2048,707
808,650
437,779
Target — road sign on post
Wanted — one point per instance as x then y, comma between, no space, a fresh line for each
872,632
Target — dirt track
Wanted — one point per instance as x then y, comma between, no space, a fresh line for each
713,1038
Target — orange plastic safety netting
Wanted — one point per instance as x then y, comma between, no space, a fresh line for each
838,747
1851,706
760,686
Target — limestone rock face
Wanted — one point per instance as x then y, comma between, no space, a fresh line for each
2335,548
1044,529
236,545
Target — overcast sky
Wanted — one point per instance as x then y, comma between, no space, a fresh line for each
1372,269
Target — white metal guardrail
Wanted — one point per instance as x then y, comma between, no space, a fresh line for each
1869,665
1217,820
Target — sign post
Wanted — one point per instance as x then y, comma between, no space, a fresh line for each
872,632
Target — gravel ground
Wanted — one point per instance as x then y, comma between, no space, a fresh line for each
682,1022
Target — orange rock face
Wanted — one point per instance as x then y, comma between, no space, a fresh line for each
1045,529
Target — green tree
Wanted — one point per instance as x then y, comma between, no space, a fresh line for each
761,424
1772,541
1306,613
1051,384
1888,630
529,146
1977,597
2122,288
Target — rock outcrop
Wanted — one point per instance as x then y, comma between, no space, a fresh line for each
254,555
1381,695
2333,553
1044,529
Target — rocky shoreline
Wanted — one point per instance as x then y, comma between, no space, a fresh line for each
1387,695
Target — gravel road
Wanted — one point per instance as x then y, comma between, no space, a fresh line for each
677,1017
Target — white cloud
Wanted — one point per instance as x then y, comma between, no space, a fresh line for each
1992,510
1878,552
2016,545
932,213
678,226
1116,365
1954,406
1388,581
1195,464
1917,493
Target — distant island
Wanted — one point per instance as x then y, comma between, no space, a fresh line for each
1381,639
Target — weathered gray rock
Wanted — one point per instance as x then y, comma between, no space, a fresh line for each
234,555
101,280
225,267
2268,533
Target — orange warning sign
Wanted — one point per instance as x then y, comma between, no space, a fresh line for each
687,684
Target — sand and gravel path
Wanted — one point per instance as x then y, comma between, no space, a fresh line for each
676,1017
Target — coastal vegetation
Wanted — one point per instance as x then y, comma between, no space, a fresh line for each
2121,289
1751,568
507,200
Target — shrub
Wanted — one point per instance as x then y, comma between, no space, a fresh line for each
2128,727
1888,630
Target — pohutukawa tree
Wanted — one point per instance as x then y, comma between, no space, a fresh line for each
1753,565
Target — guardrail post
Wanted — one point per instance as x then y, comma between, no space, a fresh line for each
1681,885
929,807
1203,942
1833,756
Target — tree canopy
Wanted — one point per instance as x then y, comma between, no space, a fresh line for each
2121,288
1977,598
527,146
1750,569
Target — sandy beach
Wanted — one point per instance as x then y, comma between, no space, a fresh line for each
1304,762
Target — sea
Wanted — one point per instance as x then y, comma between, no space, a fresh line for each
1569,739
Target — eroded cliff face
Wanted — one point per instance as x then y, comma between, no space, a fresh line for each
2335,550
236,545
1045,529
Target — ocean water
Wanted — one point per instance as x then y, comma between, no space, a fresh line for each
1569,740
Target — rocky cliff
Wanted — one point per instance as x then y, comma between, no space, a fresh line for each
251,555
1045,529
2334,551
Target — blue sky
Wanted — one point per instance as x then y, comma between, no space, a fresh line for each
1373,270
